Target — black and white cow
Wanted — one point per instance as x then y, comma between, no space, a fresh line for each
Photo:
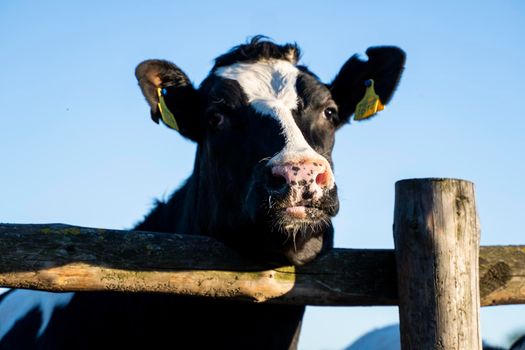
262,182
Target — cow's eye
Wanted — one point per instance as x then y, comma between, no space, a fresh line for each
216,120
330,113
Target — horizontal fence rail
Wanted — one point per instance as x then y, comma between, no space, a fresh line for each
60,258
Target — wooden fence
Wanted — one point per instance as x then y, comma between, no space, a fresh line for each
437,274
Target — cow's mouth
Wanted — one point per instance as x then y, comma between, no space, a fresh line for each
295,228
302,212
297,212
294,211
301,228
295,223
306,219
301,221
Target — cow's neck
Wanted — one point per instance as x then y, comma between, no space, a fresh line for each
215,206
200,206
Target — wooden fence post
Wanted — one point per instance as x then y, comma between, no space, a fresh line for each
436,235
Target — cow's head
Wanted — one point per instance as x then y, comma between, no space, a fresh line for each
265,129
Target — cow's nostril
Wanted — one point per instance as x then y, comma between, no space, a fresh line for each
276,181
322,179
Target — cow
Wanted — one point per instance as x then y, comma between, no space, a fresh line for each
519,344
388,338
263,183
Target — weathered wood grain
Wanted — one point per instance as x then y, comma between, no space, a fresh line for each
59,257
66,258
436,235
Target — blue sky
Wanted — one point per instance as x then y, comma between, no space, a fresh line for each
77,145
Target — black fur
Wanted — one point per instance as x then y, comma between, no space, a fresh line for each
258,49
23,334
385,65
519,344
232,196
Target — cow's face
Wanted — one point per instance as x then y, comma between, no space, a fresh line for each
265,128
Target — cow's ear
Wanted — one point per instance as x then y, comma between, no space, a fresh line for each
384,66
171,96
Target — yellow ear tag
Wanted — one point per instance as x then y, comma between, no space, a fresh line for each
167,117
370,104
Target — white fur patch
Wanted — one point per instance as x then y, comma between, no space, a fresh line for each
19,303
270,88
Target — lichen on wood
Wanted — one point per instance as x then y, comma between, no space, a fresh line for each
57,257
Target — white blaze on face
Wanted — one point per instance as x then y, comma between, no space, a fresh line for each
270,88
